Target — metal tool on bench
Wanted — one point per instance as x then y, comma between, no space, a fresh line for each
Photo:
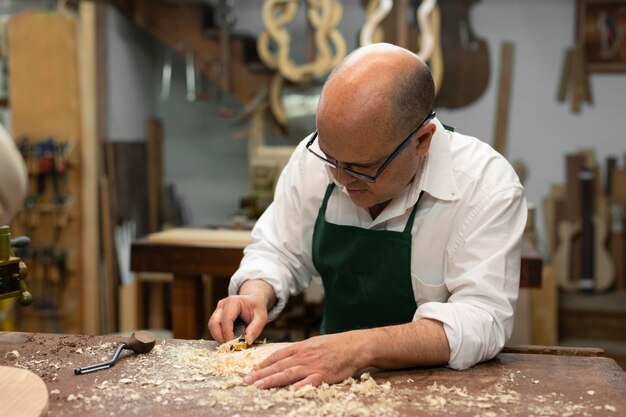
140,342
13,270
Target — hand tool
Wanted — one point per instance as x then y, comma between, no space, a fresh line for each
140,342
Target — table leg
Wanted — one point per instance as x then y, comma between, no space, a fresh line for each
187,307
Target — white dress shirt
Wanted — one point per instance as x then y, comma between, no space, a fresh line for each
466,247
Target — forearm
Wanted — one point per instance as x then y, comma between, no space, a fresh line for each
261,288
419,343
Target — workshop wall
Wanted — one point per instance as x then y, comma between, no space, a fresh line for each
208,166
131,74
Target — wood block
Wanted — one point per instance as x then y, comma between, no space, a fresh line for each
575,163
544,309
618,188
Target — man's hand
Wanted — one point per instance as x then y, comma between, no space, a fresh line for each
333,358
255,298
329,358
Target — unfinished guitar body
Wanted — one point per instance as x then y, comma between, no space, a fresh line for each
603,271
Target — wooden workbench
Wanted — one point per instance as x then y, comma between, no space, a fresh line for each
173,380
189,254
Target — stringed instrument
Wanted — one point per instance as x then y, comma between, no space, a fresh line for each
596,268
465,56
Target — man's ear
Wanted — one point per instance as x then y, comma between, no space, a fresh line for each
423,140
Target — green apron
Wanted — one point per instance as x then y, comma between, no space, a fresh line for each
366,274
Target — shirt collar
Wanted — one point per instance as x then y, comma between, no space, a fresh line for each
439,179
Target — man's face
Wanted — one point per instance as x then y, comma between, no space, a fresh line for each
365,151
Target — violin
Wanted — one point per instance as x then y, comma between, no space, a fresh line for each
465,56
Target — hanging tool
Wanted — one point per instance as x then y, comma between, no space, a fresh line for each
140,342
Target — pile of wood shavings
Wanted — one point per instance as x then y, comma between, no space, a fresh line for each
188,377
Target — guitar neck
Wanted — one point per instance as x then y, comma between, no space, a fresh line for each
587,282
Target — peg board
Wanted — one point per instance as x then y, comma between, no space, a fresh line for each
44,83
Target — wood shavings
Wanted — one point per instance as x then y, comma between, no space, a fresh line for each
14,354
237,344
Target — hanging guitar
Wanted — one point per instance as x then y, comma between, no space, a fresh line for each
596,267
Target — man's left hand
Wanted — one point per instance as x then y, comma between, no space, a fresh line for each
328,358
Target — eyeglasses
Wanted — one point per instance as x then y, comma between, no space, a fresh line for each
361,175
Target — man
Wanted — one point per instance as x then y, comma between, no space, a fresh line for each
414,230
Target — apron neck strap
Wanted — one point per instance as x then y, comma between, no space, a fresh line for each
329,191
409,223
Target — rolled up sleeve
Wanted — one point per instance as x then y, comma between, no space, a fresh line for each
482,276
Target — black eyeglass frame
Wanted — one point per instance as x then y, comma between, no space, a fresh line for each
361,175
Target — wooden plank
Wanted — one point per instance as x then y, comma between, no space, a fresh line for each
552,214
576,81
504,98
566,75
544,309
109,295
88,13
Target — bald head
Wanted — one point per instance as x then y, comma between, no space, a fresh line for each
379,86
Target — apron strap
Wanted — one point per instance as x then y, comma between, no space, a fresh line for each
409,223
329,191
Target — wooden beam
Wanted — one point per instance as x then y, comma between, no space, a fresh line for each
504,98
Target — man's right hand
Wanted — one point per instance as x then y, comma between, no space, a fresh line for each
252,303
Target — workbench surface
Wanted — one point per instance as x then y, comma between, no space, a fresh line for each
178,378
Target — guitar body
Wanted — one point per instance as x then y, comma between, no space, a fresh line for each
564,257
604,269
465,56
